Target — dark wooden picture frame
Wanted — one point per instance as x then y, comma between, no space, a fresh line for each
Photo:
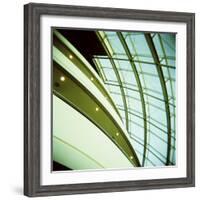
32,112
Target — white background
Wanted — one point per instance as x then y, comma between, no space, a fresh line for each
11,101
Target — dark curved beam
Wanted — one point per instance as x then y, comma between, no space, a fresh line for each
164,91
67,91
125,46
170,78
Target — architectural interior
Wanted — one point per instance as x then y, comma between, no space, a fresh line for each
113,99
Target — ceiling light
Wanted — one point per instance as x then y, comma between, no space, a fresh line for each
62,78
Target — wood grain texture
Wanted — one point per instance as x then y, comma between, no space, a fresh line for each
32,13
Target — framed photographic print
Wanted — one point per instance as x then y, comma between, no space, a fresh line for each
109,99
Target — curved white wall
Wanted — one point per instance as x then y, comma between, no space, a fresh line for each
77,137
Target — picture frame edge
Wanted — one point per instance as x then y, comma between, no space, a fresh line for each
32,187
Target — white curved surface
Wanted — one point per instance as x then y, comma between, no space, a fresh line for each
82,145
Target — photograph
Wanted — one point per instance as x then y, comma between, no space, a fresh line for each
113,99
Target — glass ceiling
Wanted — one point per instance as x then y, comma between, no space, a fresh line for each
139,72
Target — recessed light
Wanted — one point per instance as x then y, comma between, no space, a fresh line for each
91,78
97,109
62,78
70,56
131,157
117,134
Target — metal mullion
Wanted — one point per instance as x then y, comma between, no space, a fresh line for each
153,133
126,70
151,63
126,96
147,95
109,82
156,151
138,61
124,44
118,77
163,125
148,121
138,141
104,79
171,87
126,85
147,159
164,90
168,44
165,57
98,65
136,123
153,105
102,76
147,56
141,71
158,99
133,98
154,75
154,91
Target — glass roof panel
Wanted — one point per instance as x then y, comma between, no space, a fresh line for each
139,42
128,77
158,46
146,68
115,44
149,90
110,75
155,84
105,62
123,64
